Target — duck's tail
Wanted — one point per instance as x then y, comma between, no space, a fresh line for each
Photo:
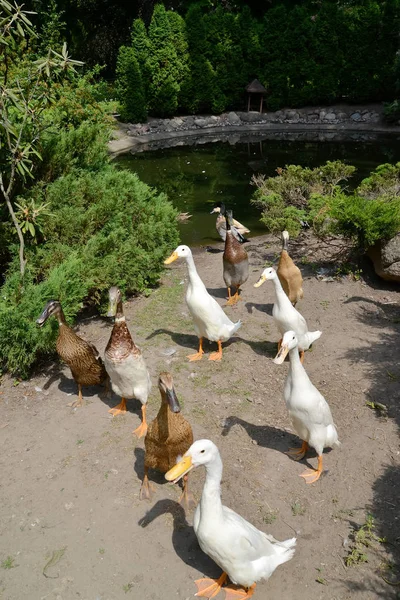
235,327
285,550
332,438
238,235
313,336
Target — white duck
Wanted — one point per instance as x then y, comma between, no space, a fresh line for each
308,410
125,364
245,554
286,316
209,319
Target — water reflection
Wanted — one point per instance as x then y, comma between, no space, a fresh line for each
197,171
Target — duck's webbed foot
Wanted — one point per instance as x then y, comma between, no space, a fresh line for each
298,453
311,475
197,355
234,592
217,355
208,588
119,409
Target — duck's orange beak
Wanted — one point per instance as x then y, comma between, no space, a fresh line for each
280,357
171,259
180,469
260,281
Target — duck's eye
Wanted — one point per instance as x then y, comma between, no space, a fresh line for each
202,451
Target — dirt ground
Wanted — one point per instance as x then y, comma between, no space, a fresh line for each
71,522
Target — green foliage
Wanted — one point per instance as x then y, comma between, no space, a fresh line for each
106,228
369,214
129,87
362,539
392,112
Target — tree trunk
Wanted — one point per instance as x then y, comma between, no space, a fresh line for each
22,260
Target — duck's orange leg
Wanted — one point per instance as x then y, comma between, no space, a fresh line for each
208,588
78,403
298,453
147,489
198,355
119,409
234,592
142,429
232,299
301,352
217,355
311,475
187,498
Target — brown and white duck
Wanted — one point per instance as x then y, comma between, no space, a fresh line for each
168,437
125,363
289,275
81,356
239,231
235,261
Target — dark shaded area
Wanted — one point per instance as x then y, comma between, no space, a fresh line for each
384,376
191,341
183,537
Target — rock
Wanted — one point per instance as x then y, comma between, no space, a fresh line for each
251,117
200,122
386,259
356,117
233,118
330,116
342,116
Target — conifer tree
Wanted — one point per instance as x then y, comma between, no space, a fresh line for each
129,86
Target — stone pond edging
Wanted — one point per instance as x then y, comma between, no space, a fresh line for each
338,118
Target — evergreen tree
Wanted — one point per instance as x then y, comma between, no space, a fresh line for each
200,91
129,86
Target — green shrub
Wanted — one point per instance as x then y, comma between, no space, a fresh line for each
108,228
129,87
298,194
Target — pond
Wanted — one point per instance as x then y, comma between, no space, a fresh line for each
196,175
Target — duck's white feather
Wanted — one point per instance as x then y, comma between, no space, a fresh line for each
130,377
209,319
308,410
244,552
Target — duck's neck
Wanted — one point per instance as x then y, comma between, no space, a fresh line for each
194,277
119,315
211,497
279,291
61,318
296,369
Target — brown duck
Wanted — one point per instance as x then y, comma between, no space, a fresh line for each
82,357
125,363
169,436
289,275
235,261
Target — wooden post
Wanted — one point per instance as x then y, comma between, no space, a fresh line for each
248,103
261,104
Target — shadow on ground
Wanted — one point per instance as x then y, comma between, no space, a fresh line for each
384,375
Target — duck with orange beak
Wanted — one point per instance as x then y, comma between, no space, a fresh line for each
308,410
245,554
209,319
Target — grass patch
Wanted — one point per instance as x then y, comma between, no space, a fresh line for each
298,509
8,563
362,539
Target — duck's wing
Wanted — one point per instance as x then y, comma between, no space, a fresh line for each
249,540
241,227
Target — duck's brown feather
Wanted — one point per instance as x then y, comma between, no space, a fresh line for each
235,261
290,277
82,357
120,345
168,437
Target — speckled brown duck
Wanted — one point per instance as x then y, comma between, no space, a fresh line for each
289,275
125,363
81,356
169,436
235,262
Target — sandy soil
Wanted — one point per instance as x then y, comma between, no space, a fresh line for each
70,479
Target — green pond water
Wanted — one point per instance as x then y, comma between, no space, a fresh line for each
196,176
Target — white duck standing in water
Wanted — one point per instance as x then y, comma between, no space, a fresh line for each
246,554
286,316
125,363
308,410
209,319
